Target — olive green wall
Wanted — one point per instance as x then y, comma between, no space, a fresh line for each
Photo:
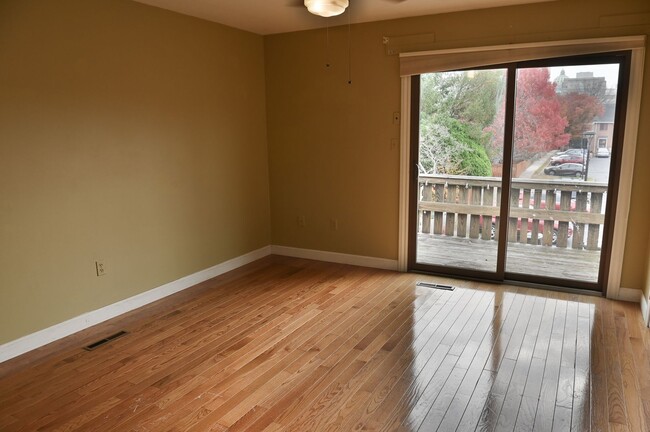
330,143
139,136
128,134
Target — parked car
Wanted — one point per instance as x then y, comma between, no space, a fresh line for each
573,151
567,158
602,152
567,169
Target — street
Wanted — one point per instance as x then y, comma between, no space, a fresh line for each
599,169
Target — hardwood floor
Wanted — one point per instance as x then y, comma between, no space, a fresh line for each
297,345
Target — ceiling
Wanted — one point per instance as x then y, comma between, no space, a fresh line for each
282,16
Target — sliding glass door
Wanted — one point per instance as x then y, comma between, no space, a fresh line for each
515,167
563,144
459,168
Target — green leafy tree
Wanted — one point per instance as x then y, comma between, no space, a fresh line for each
455,109
447,147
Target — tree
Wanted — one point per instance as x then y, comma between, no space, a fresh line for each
539,120
580,109
468,97
446,147
455,108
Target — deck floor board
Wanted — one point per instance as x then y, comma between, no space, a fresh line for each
477,254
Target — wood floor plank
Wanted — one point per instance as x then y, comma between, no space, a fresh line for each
550,380
74,363
477,402
331,401
425,349
636,418
337,346
277,336
639,351
448,341
286,344
526,415
227,376
545,329
389,345
598,373
491,410
562,419
513,330
443,399
101,378
422,350
512,402
371,355
478,356
51,356
581,414
430,393
186,365
284,401
617,410
426,383
566,379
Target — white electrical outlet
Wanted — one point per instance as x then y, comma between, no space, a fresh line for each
100,267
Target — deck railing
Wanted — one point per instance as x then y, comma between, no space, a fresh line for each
542,212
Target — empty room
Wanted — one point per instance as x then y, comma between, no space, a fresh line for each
324,215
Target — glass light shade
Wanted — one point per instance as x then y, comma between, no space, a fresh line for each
326,8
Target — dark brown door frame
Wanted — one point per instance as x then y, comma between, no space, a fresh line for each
500,275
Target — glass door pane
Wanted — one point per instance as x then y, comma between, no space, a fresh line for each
563,137
460,164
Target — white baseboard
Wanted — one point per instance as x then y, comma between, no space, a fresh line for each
335,257
629,295
645,310
43,337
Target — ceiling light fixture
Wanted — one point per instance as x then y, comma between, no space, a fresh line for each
326,8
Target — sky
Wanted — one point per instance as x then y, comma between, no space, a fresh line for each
609,71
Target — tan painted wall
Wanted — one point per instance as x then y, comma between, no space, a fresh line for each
329,142
646,285
129,134
138,136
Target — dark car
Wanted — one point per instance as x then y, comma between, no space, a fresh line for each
567,169
567,158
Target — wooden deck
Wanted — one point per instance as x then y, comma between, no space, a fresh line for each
565,263
294,345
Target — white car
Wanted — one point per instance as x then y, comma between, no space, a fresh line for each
602,152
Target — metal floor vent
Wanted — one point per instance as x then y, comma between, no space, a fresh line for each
436,286
104,341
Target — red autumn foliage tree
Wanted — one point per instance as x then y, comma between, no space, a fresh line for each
539,119
580,109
